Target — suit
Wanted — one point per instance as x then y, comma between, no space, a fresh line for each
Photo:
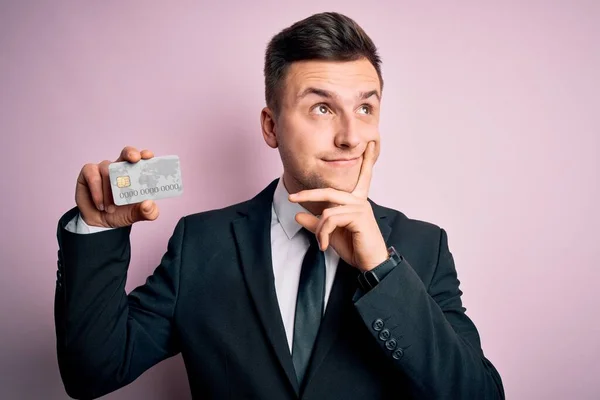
212,299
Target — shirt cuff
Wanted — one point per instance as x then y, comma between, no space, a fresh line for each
78,225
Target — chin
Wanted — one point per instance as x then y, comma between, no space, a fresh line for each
325,179
345,184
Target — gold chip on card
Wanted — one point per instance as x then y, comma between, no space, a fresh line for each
123,181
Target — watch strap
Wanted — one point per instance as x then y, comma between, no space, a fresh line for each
369,279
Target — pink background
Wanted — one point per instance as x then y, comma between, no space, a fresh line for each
490,129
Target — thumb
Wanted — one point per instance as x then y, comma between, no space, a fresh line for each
146,211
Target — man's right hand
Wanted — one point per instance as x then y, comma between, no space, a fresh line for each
93,195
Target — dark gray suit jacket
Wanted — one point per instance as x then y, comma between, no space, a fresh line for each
212,299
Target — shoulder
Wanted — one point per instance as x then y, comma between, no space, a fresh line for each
417,240
215,219
403,225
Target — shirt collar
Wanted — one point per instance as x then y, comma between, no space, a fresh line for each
286,210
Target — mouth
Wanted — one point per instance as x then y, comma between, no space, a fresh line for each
343,162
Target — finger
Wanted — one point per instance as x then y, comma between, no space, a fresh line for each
308,221
147,210
146,154
130,154
328,194
93,180
330,212
331,224
109,204
366,172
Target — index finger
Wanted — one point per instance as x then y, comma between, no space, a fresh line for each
366,172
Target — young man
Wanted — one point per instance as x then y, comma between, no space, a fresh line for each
308,290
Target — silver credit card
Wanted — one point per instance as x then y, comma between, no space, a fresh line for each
153,179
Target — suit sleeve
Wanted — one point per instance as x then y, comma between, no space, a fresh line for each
78,225
426,333
106,338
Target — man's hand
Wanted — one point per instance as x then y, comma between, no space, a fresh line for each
350,227
93,195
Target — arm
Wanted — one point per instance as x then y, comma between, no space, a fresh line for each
435,345
106,338
78,225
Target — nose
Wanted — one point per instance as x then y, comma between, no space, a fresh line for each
347,135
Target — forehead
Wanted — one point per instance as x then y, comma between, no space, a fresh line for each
346,78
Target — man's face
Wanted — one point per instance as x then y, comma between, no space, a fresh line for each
329,113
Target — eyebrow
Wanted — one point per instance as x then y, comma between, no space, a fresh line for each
330,95
366,95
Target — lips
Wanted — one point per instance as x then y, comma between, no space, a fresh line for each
343,159
343,162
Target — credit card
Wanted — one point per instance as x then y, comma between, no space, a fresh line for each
153,179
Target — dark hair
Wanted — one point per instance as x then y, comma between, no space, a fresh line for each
326,36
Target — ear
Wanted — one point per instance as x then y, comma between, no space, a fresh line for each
268,125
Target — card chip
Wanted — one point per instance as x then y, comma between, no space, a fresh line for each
123,181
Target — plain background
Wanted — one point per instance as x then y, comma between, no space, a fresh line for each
490,129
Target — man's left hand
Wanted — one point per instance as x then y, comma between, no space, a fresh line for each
350,227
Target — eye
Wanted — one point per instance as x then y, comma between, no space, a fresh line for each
320,109
365,109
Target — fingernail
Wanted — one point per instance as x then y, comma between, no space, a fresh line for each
110,209
101,207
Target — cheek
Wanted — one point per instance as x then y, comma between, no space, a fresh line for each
372,135
305,136
370,130
295,142
376,137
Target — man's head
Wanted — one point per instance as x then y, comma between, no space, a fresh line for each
323,89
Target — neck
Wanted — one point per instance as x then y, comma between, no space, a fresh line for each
292,185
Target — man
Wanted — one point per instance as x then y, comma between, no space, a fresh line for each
308,290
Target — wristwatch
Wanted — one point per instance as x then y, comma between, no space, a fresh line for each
369,279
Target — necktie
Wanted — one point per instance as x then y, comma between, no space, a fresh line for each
309,305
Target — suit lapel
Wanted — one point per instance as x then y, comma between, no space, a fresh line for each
340,302
253,236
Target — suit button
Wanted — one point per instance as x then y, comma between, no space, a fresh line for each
58,264
378,324
396,355
58,276
390,344
384,334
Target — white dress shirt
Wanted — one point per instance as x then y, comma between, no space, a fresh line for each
287,250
